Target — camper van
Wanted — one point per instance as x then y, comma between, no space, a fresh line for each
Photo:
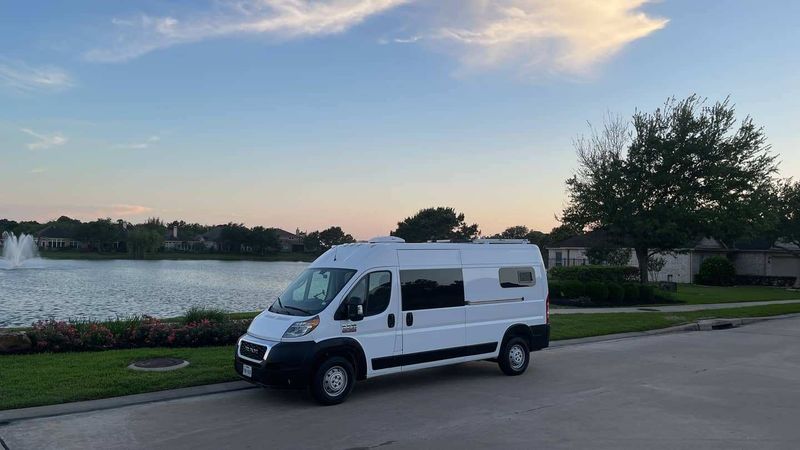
385,306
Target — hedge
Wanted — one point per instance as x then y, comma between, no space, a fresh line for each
194,331
597,292
631,294
575,293
616,294
607,274
764,280
716,271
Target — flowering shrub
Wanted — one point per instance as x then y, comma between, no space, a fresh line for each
54,336
96,337
61,336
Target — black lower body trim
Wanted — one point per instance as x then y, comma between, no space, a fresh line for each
432,355
540,336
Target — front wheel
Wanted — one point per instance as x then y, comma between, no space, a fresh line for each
332,381
514,356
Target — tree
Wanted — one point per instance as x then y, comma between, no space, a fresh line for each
614,256
334,236
435,224
233,237
685,171
263,240
788,224
143,239
515,232
311,241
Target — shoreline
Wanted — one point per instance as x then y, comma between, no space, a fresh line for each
93,256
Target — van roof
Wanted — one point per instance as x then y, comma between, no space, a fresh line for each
364,255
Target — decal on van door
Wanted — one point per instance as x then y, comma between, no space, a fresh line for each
349,327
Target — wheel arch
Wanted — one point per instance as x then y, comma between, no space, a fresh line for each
344,347
518,330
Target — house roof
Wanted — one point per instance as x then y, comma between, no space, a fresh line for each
57,231
283,234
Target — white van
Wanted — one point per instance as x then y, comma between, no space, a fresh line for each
385,306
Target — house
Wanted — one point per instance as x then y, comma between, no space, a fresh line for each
210,240
58,237
289,242
755,258
174,242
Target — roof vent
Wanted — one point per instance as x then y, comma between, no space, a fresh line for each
386,240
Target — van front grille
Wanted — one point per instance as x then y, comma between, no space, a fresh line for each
251,350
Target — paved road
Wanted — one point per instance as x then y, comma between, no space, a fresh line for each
669,308
737,388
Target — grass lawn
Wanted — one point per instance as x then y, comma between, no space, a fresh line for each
694,294
50,378
42,379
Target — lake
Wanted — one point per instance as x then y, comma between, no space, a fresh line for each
76,289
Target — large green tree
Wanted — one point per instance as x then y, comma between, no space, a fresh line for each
684,171
436,224
334,236
788,225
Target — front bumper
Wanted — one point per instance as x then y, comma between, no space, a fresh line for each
285,364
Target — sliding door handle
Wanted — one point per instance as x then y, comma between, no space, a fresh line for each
409,319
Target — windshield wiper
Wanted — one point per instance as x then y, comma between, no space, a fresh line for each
297,309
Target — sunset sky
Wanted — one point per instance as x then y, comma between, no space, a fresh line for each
296,113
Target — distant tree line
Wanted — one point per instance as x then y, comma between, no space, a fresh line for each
103,235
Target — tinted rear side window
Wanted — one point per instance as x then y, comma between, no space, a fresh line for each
431,288
511,277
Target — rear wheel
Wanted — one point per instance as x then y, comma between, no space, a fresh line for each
332,381
514,356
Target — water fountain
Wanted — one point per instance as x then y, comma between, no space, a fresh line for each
17,250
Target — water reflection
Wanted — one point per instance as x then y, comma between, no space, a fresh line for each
65,289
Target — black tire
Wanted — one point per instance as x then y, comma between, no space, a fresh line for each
514,357
332,381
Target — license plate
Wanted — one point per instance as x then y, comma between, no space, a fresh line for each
247,370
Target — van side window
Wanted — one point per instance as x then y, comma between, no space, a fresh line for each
375,289
512,277
431,288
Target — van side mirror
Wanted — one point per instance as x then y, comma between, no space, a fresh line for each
355,309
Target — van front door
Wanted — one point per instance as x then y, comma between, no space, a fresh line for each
433,317
379,331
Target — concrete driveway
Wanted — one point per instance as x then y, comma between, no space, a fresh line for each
737,388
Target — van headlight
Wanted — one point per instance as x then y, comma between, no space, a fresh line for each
302,328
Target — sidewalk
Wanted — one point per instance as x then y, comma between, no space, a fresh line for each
669,308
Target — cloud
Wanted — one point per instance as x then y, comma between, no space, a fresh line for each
569,36
536,36
280,19
140,145
123,210
19,76
44,141
38,170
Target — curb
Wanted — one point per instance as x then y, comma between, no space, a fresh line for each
37,412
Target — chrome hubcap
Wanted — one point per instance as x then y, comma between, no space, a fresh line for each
335,381
516,357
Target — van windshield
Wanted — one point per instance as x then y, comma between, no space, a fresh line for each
311,292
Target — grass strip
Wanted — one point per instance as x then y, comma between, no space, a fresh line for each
694,294
51,378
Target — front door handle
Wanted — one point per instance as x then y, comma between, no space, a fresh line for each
409,319
390,320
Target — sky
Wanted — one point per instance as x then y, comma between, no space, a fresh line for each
358,113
